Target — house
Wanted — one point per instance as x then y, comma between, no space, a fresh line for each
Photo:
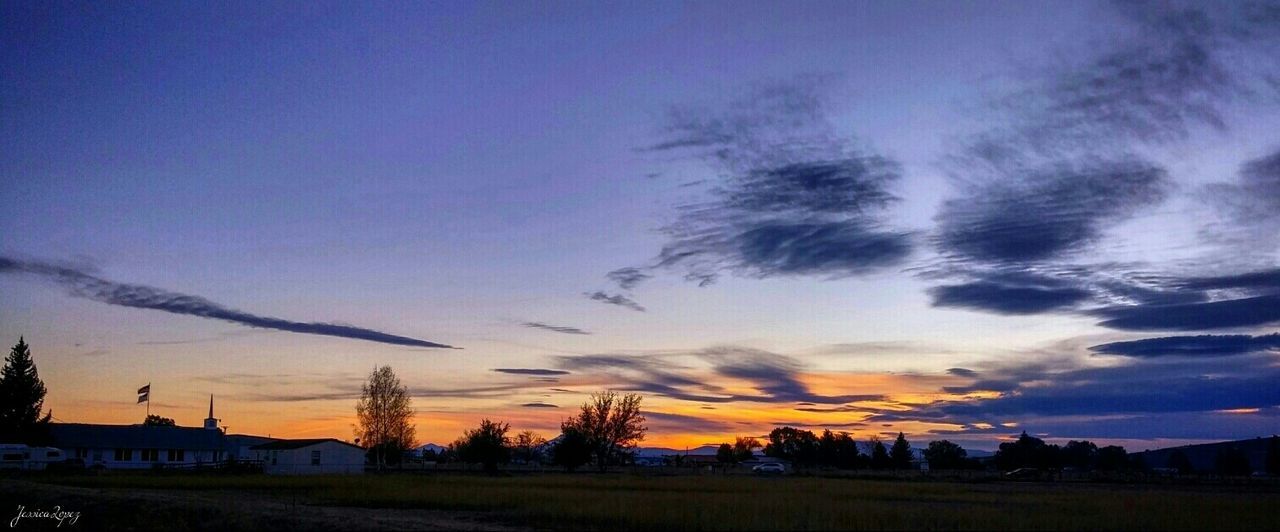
306,457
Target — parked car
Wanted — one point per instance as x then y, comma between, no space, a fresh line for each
772,468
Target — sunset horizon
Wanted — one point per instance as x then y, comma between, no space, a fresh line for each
1069,229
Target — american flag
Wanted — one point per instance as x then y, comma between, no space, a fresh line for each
144,394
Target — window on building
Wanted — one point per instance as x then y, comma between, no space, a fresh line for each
12,456
150,455
177,455
315,457
82,453
273,457
124,455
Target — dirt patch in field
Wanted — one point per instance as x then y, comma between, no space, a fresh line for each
119,509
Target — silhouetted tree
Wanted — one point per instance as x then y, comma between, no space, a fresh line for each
798,446
943,454
527,447
1178,460
843,451
1027,451
1273,455
1079,454
743,447
154,420
488,444
389,453
901,454
880,455
724,454
1233,461
22,398
611,424
573,450
1113,458
385,416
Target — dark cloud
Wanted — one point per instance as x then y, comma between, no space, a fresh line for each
1039,393
554,328
616,299
774,376
531,371
1246,312
790,198
808,218
669,422
81,284
1058,167
1008,299
538,405
1202,345
1046,213
1262,281
962,372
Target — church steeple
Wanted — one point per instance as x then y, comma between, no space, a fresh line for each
211,422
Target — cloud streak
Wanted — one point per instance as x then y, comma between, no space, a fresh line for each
539,372
81,284
554,328
616,299
1202,345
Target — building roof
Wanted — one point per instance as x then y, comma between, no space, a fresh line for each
246,439
87,435
282,445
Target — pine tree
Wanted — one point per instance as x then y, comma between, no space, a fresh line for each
21,399
901,454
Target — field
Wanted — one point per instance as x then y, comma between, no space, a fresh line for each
626,502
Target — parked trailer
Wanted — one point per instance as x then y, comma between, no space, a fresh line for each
19,456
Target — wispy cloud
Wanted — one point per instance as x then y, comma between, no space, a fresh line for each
615,299
81,284
531,371
554,328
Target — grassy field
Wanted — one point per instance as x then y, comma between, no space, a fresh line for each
630,502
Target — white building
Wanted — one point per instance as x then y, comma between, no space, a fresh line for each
306,457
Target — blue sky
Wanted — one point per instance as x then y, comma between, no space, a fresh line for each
874,194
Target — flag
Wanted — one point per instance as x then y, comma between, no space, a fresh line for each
144,394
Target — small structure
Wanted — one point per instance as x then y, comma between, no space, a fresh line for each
309,457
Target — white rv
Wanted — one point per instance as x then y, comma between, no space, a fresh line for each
19,456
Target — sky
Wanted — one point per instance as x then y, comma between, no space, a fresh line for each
954,220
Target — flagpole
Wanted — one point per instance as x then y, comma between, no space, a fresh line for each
148,398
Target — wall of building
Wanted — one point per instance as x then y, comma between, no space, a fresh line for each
334,458
106,457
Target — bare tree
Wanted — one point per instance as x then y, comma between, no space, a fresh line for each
611,424
385,415
528,447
